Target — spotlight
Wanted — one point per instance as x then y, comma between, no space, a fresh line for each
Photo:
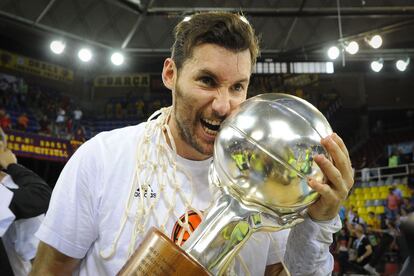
377,65
375,41
117,58
333,52
352,48
57,46
187,18
402,64
85,54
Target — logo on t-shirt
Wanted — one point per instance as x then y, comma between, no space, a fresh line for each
148,193
193,221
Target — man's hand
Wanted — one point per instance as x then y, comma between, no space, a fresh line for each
6,158
338,177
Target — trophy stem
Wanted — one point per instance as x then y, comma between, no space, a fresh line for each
223,232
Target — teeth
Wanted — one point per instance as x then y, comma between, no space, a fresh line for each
209,131
213,122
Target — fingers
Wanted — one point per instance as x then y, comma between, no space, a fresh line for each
337,149
341,145
334,176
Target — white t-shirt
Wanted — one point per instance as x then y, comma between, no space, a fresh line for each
89,199
6,216
19,240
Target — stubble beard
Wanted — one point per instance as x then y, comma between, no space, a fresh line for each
186,125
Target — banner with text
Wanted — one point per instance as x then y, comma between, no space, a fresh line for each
33,66
40,147
130,80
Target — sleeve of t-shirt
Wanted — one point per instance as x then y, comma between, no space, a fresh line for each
307,249
70,224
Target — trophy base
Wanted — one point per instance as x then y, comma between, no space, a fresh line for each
157,255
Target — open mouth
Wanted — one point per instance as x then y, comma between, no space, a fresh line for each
210,126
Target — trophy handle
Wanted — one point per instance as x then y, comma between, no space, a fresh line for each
157,255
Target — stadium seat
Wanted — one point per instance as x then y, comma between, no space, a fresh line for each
374,189
379,210
376,196
359,197
362,211
371,209
358,191
383,195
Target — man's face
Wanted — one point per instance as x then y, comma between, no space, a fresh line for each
209,86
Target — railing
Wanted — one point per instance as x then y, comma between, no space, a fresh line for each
385,172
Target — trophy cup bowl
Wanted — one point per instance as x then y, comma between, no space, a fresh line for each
263,155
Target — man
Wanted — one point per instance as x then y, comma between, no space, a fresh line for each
363,250
110,193
24,196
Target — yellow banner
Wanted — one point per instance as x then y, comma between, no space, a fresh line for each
34,66
130,80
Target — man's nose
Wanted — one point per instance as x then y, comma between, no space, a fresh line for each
221,103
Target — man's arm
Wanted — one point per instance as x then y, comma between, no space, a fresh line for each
33,196
368,252
49,261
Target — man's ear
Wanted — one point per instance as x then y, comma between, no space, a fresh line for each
169,73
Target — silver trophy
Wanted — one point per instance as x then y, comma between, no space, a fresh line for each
262,158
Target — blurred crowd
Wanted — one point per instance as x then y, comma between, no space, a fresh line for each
374,246
37,109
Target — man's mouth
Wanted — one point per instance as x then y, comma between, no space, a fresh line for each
210,126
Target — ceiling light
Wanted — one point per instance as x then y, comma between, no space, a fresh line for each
375,41
402,64
352,48
377,65
333,52
57,46
85,55
117,58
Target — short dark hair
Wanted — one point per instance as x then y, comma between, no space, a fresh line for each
228,30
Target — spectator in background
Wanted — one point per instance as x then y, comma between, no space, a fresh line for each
392,204
397,192
5,122
60,121
139,105
119,112
357,219
388,238
80,134
363,249
22,122
77,117
45,125
342,240
407,231
373,221
406,207
394,159
24,198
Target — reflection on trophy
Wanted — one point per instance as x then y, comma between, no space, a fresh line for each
262,158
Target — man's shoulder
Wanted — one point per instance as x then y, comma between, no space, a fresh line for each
120,135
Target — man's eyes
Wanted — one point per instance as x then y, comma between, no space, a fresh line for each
238,87
208,81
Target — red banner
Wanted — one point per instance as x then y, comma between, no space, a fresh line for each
40,147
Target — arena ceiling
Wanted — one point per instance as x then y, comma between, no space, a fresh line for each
291,29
